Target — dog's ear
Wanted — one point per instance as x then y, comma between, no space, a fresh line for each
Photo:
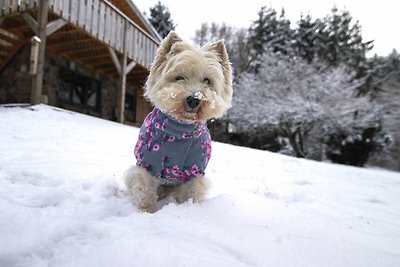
161,56
219,49
165,47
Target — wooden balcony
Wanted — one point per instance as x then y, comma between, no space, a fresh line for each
98,18
106,37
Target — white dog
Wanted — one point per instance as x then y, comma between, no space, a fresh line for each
187,86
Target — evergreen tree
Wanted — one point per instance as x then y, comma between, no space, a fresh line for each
308,38
283,41
335,39
269,32
344,43
160,18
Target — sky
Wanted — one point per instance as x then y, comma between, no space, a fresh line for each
378,19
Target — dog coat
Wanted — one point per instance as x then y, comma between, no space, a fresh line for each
172,150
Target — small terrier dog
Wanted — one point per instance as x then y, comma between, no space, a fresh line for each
187,86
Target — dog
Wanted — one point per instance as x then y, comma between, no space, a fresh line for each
187,86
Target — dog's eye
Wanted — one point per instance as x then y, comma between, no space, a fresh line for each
207,81
179,78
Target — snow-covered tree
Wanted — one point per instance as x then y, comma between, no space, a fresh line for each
308,37
307,103
335,39
386,80
344,42
269,32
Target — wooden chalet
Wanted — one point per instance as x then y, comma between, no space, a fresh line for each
90,56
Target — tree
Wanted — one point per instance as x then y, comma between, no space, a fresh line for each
344,42
271,32
336,39
160,18
308,88
307,37
386,81
307,103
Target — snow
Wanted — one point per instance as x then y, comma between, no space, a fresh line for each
60,204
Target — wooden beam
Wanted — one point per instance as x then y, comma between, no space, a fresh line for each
88,54
10,38
7,47
120,108
130,67
118,64
65,32
86,49
69,36
54,26
115,59
69,45
98,60
95,55
31,22
37,79
102,65
16,29
10,55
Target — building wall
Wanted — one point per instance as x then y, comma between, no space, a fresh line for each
15,84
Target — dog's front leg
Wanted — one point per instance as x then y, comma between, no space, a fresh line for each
142,188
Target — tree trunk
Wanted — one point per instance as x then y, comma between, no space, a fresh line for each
296,141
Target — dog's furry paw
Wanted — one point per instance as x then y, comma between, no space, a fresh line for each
194,189
141,187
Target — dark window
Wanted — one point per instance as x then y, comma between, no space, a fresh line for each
130,106
79,90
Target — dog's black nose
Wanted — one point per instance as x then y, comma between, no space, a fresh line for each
192,102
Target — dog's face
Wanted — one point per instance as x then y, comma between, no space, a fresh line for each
191,84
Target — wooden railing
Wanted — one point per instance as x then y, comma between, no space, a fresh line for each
100,19
14,6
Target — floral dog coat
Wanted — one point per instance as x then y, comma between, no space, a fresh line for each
172,150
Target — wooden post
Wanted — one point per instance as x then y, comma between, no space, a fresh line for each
123,69
37,80
122,79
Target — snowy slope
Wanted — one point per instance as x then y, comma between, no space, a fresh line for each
60,206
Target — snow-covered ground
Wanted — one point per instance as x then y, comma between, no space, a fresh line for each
60,206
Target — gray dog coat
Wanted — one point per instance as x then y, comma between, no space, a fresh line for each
172,150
